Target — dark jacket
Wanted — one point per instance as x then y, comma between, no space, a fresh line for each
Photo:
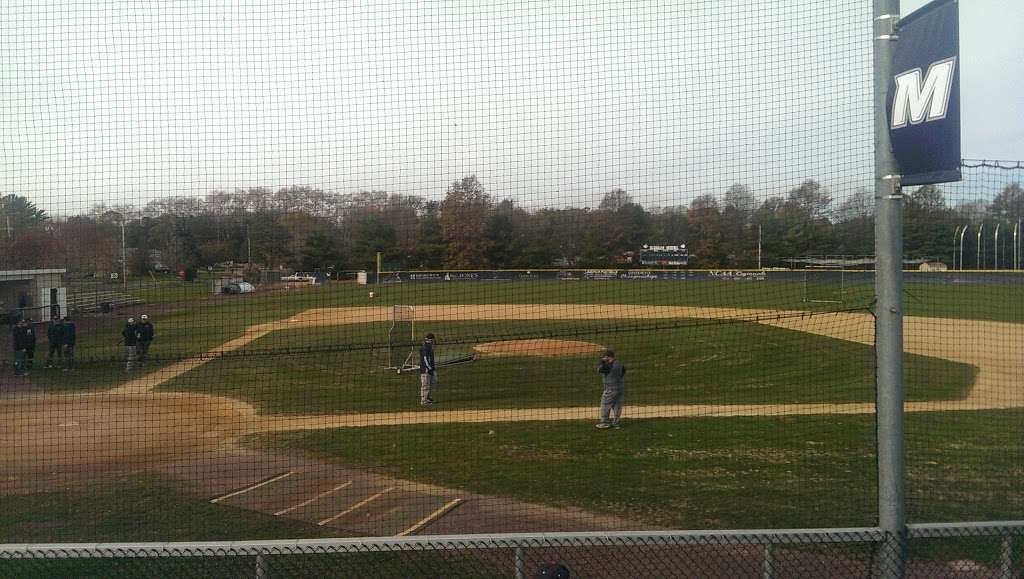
145,331
55,334
427,363
24,338
130,333
69,334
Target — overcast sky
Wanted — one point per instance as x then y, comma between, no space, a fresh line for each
548,103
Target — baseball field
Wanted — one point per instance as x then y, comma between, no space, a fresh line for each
271,416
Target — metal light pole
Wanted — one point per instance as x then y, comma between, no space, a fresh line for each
1016,246
889,303
995,250
956,232
962,233
977,262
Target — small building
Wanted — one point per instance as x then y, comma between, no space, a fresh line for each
36,294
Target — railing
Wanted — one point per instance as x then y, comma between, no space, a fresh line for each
840,552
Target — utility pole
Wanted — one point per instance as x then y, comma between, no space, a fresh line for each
248,242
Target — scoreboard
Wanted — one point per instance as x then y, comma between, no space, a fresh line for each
665,255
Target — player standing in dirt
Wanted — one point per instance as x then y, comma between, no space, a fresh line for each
428,370
613,378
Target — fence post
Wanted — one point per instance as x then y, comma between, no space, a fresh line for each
888,295
768,563
262,571
520,564
1006,558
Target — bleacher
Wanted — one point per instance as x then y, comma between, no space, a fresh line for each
96,300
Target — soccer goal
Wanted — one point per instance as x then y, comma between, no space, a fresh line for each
402,339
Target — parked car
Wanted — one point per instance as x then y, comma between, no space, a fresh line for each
241,287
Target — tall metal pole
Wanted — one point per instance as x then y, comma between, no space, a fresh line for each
978,260
962,233
889,304
956,233
1016,246
995,250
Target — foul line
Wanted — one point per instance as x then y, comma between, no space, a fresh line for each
253,487
430,518
356,506
307,501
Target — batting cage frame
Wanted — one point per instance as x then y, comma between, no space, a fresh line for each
401,339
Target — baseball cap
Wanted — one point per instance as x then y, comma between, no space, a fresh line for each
609,353
429,336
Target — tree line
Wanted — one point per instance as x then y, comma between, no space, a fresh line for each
308,229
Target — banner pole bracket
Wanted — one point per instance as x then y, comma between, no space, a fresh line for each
888,25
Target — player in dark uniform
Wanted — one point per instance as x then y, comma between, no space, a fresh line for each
613,375
55,338
130,337
145,333
428,371
70,338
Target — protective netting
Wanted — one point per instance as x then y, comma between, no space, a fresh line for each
226,232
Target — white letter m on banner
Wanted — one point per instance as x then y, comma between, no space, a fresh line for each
918,101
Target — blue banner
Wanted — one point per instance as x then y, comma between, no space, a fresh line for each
923,101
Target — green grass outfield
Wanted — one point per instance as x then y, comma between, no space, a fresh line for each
997,302
188,324
703,473
699,362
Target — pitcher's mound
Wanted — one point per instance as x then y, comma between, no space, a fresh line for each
543,348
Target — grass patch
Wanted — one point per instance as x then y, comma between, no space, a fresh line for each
145,508
136,508
699,363
715,473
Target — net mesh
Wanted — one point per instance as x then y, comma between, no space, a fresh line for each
401,336
233,173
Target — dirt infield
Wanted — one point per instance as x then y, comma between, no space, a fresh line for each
542,348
